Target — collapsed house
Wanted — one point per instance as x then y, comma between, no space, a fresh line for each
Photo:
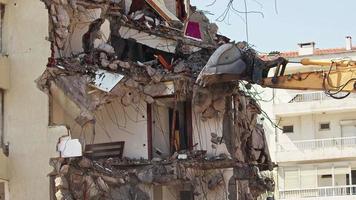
124,78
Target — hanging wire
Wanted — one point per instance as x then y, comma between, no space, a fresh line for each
256,96
339,88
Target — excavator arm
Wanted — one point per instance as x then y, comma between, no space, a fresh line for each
231,62
339,76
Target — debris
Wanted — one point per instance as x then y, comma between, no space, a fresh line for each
64,170
136,52
164,63
146,175
107,48
162,10
129,192
155,90
69,147
62,16
102,185
182,156
61,182
215,181
106,81
85,163
92,34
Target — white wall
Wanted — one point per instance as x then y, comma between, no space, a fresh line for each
306,127
115,122
202,134
32,143
308,176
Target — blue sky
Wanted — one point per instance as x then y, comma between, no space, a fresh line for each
325,22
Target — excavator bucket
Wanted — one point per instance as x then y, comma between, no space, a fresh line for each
224,65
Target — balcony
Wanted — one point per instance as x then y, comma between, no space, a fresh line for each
330,148
317,96
315,102
322,193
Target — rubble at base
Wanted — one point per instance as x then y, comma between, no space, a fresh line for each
84,178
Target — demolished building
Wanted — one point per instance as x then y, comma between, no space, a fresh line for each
142,119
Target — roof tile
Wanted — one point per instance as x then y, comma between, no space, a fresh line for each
290,54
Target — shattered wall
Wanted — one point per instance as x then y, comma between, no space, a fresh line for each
113,122
145,53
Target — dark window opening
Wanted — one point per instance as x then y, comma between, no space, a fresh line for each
186,195
351,190
178,127
324,126
288,129
326,176
170,127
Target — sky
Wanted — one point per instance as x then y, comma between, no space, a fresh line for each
282,27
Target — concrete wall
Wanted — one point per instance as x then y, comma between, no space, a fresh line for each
114,122
313,173
306,116
32,143
202,134
3,167
4,72
316,107
306,127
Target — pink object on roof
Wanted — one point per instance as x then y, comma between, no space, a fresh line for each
192,30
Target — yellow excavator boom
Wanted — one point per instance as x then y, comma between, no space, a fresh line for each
339,76
328,63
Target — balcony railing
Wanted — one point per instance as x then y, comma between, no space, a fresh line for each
304,145
316,96
319,192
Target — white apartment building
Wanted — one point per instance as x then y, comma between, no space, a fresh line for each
316,148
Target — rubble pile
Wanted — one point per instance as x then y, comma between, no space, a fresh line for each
85,178
146,49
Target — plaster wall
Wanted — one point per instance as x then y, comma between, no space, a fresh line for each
32,142
114,122
3,167
307,129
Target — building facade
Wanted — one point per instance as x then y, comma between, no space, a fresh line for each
151,145
315,148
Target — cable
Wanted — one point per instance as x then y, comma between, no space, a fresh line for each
339,88
246,18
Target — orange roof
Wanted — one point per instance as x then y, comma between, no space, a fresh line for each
290,54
